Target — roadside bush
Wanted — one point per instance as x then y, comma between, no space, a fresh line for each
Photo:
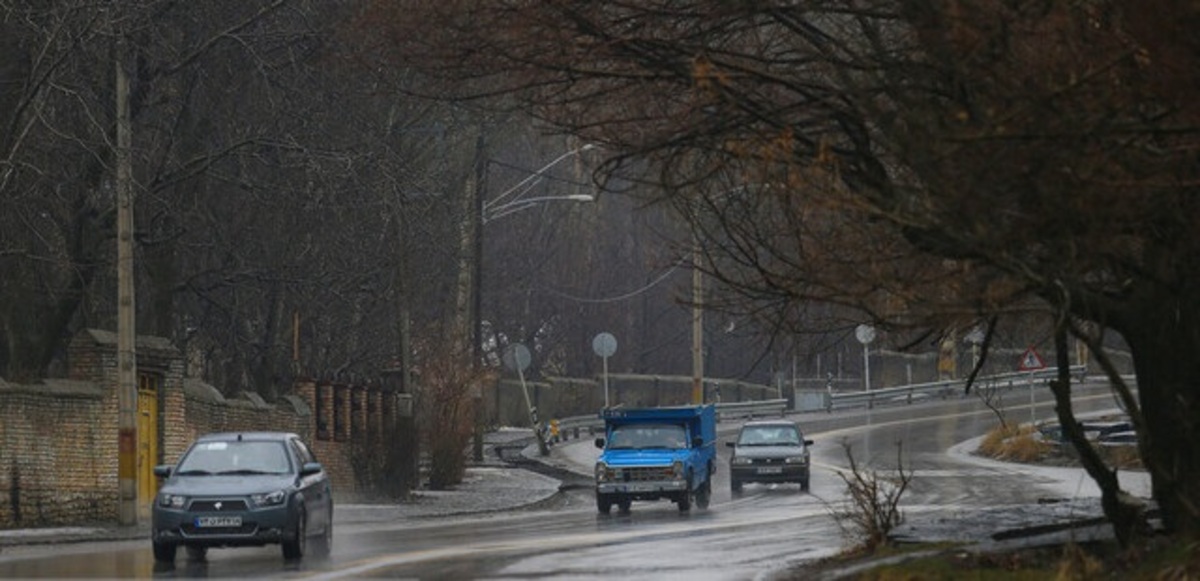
385,462
447,382
874,501
1016,443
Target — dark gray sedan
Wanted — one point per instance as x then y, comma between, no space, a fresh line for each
243,489
769,451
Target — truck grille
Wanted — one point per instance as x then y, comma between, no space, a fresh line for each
647,474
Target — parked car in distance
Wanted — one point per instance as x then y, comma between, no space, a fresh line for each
243,489
768,451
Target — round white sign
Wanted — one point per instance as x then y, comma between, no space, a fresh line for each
604,344
864,333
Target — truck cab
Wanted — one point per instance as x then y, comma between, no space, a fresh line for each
655,454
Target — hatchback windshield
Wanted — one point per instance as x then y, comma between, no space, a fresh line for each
769,436
648,436
246,457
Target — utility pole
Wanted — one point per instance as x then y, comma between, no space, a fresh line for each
697,325
126,332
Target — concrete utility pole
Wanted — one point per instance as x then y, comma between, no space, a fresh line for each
126,333
697,325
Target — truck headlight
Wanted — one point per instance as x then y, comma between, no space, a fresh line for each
677,469
603,474
740,461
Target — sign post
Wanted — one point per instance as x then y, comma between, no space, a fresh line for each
517,358
1031,361
865,335
604,344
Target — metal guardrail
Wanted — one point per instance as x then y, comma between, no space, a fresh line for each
751,409
907,394
576,426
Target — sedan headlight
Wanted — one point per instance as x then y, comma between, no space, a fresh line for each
172,500
740,461
269,499
796,460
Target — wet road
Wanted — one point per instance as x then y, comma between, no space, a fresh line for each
768,528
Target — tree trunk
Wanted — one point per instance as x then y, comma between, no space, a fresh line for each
1123,511
1166,353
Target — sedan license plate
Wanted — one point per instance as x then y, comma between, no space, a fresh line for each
771,470
218,521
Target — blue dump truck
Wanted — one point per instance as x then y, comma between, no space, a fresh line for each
656,453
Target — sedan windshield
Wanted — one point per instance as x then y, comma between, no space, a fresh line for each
769,436
240,458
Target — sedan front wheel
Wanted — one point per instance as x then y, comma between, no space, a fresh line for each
293,548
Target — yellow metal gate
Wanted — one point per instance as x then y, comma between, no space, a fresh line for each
147,442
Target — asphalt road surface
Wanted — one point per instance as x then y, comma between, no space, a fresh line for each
766,530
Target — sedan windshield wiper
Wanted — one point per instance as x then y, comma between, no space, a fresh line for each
194,473
243,472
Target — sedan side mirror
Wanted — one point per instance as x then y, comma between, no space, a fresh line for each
310,468
162,470
808,442
731,444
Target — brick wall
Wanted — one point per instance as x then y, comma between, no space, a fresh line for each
58,438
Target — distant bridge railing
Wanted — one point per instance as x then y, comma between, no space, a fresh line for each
907,394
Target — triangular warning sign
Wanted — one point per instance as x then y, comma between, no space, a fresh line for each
1030,360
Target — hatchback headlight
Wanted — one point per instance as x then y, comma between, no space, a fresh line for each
172,500
740,461
269,499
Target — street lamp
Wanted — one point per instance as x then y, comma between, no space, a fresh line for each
506,203
494,212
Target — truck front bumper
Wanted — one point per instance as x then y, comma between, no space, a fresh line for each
650,488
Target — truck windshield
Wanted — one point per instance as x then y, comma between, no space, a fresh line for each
643,436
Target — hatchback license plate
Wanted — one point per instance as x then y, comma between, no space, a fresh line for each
218,521
771,470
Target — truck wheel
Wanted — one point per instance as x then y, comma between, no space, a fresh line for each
603,503
704,495
685,497
685,501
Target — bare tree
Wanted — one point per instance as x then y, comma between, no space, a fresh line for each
928,164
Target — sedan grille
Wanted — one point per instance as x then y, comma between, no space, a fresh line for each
766,461
219,505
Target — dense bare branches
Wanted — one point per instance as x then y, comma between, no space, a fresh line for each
929,163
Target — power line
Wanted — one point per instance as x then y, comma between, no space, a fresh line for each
618,298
